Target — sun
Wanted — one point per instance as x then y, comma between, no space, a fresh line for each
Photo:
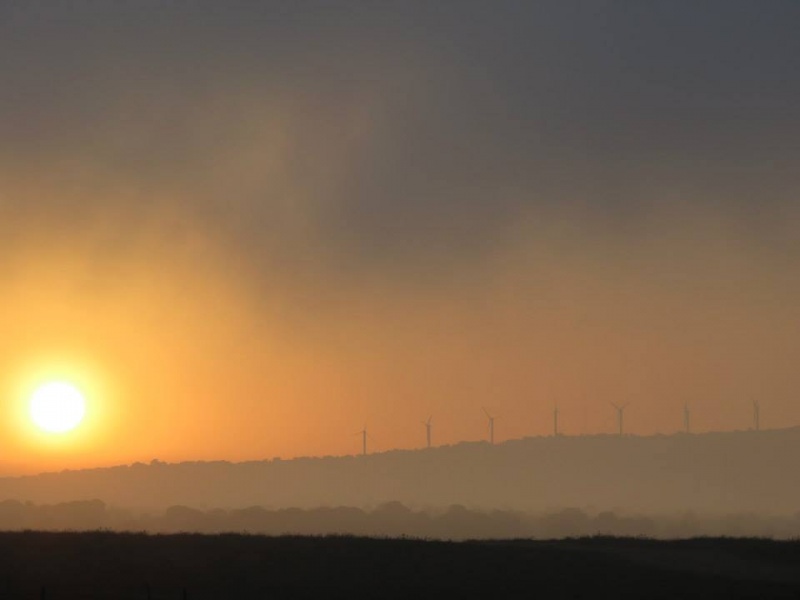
57,407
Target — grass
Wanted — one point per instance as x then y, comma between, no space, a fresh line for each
100,564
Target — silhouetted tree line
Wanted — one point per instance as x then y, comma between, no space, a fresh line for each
393,519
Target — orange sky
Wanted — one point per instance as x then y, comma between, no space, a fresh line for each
185,360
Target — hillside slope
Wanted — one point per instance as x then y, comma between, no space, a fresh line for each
719,472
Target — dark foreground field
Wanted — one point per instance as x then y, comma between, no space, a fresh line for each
112,565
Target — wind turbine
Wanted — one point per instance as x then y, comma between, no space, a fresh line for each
555,420
363,434
686,422
491,426
620,412
428,430
756,415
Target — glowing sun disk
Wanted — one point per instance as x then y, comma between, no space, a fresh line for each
57,407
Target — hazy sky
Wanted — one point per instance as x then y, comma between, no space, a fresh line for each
247,229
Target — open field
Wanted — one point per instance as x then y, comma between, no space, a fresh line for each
67,565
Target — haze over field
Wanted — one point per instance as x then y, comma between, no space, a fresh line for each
244,231
714,484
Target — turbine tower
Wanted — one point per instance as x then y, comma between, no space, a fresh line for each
620,414
363,434
756,415
555,420
428,430
491,426
686,422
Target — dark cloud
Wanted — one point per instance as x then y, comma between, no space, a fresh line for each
360,135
